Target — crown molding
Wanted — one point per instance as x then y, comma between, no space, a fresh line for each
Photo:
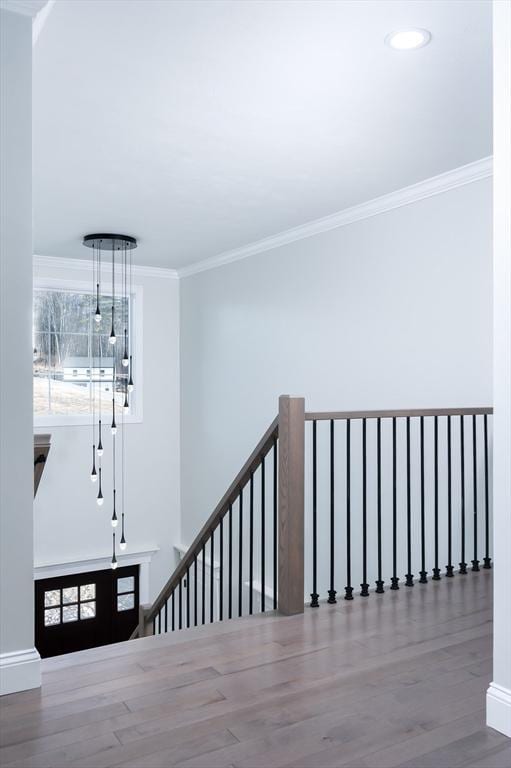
24,7
435,185
85,265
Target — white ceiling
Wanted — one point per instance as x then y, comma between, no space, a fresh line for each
200,127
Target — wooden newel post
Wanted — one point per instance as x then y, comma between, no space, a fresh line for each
143,629
291,504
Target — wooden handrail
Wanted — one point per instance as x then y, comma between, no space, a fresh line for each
402,413
41,449
262,448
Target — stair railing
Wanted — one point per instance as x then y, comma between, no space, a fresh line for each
396,496
229,538
382,492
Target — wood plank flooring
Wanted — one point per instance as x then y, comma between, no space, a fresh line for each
392,680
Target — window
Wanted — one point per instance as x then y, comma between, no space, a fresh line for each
125,593
62,606
72,358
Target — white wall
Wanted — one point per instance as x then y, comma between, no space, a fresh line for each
19,662
68,523
391,311
499,692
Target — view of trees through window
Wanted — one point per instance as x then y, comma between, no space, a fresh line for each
72,354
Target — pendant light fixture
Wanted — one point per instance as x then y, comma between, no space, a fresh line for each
93,474
105,354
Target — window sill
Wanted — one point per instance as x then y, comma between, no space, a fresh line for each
81,421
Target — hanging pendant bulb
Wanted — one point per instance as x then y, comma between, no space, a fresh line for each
112,338
122,543
97,314
93,474
100,492
114,559
114,425
130,382
114,520
100,444
126,403
125,359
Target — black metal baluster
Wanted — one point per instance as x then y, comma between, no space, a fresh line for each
314,593
263,535
180,605
348,588
229,607
332,592
240,556
475,561
212,577
409,575
365,586
394,579
203,584
195,590
251,546
173,613
463,565
159,622
188,598
449,568
154,625
436,570
487,558
275,531
221,573
423,573
166,616
379,580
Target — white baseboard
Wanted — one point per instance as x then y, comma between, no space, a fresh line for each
498,708
19,671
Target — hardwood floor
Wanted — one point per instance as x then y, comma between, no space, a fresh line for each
393,680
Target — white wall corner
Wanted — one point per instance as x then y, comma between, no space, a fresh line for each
498,708
19,671
498,700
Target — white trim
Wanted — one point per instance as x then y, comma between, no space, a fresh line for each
23,7
69,567
498,708
19,671
466,174
182,550
84,420
85,265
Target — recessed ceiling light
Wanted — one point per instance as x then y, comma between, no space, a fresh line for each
408,39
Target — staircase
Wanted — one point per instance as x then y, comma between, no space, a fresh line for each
330,498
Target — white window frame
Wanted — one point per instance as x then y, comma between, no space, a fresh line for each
136,308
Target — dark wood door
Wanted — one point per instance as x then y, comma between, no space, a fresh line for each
85,610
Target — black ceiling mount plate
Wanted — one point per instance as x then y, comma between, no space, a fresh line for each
109,242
